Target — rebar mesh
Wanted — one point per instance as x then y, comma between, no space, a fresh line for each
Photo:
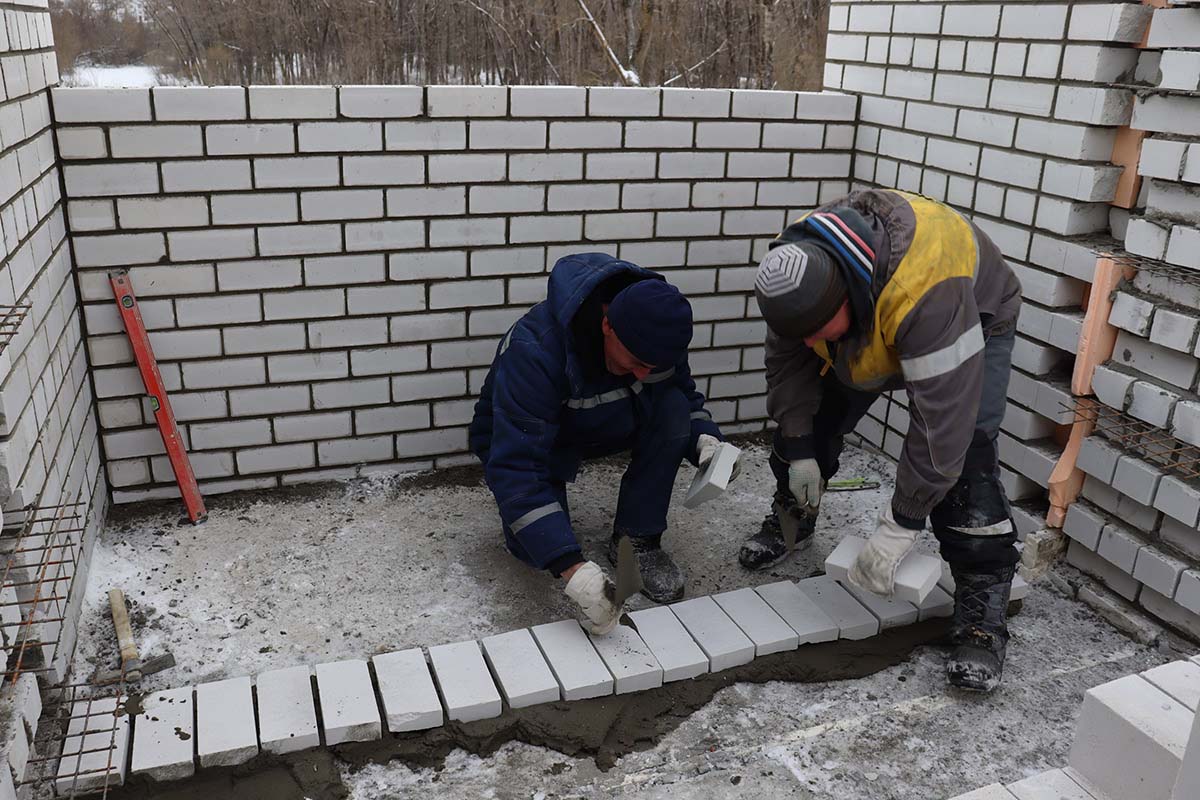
82,742
1142,439
11,318
39,552
1175,272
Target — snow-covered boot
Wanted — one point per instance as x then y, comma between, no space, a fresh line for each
980,632
768,547
662,579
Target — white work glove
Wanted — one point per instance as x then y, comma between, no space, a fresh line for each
593,592
804,481
875,567
706,448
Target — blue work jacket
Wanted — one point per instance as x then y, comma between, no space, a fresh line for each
537,388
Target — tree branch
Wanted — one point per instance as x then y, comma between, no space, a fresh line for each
698,64
628,76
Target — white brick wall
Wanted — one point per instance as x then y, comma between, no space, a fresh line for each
49,445
1010,112
370,244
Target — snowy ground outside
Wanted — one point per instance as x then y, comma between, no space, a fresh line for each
131,76
341,571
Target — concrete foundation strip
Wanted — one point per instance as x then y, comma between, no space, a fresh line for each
466,681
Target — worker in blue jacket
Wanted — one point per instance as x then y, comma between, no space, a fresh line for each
600,367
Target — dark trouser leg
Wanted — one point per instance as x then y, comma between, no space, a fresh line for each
660,444
974,526
788,522
973,523
659,448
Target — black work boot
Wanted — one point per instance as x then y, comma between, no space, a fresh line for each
662,579
768,547
979,631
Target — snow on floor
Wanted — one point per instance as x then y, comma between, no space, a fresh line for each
347,570
129,76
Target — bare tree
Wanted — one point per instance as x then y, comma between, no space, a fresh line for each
740,43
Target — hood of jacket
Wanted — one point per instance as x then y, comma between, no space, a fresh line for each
574,277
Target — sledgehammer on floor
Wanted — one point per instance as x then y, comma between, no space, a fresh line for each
132,669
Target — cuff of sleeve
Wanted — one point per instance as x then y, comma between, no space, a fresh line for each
701,426
909,513
791,448
564,562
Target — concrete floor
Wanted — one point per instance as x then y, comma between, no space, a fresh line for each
348,570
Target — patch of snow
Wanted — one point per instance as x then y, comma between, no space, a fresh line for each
128,76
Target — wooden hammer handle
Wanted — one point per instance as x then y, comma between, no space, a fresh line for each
120,615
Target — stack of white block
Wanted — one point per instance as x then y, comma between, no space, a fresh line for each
1008,113
1138,530
49,447
473,680
1166,229
1136,737
326,271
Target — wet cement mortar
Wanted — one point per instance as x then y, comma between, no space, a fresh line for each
322,573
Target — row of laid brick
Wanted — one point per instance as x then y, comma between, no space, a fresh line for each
157,140
435,245
486,227
1101,22
1152,396
567,230
288,368
329,304
331,452
148,177
1162,240
325,345
1068,179
729,270
24,29
387,102
469,681
118,408
1093,105
1088,63
1149,484
188,205
238,417
1170,160
738,199
1132,559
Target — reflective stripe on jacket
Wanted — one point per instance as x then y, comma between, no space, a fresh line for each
537,387
940,287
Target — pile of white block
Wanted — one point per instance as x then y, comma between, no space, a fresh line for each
1137,530
414,690
1136,737
1008,113
326,271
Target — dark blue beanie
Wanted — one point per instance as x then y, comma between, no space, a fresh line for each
653,320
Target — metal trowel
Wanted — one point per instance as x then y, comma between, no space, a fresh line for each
629,577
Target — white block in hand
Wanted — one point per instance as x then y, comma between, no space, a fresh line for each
714,479
915,577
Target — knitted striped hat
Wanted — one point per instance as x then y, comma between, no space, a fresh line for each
799,288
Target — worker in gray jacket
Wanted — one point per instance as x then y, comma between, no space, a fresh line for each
878,291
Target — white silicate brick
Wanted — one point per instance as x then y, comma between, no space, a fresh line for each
199,103
410,700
